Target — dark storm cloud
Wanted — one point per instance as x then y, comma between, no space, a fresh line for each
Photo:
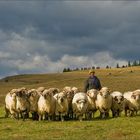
34,34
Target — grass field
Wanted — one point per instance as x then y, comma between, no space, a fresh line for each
123,128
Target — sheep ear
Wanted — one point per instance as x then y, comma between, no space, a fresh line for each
88,93
10,94
72,92
50,93
115,98
57,90
133,96
122,98
45,96
65,92
77,101
109,90
100,93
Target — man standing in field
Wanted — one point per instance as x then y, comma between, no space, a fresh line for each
92,82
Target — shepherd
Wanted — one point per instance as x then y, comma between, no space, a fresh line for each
92,82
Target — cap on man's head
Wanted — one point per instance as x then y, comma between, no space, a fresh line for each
91,71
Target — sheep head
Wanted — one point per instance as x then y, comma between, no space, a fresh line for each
92,93
104,92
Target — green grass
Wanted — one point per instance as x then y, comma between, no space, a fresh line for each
122,128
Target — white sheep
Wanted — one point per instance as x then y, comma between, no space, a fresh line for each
40,89
46,105
75,90
22,103
80,104
104,102
33,97
70,93
132,102
54,90
10,104
68,88
92,96
61,105
118,103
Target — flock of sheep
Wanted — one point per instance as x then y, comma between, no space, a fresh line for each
70,103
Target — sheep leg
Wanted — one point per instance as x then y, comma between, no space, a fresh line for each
113,113
81,118
53,117
106,114
40,117
35,116
49,117
125,112
103,115
24,114
74,116
62,117
43,116
118,113
89,115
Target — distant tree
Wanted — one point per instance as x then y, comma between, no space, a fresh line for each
76,69
64,70
107,67
129,64
68,69
139,63
97,67
93,67
135,63
117,66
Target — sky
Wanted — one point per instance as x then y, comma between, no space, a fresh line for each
48,36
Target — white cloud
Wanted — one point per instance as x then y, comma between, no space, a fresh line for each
25,55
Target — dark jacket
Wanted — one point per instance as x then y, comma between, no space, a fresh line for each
92,83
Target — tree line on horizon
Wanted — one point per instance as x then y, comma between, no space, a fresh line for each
130,64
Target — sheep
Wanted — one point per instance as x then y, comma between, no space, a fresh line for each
118,103
40,89
70,93
54,90
61,105
132,102
66,88
75,90
22,103
104,102
80,104
46,105
33,97
92,96
10,104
